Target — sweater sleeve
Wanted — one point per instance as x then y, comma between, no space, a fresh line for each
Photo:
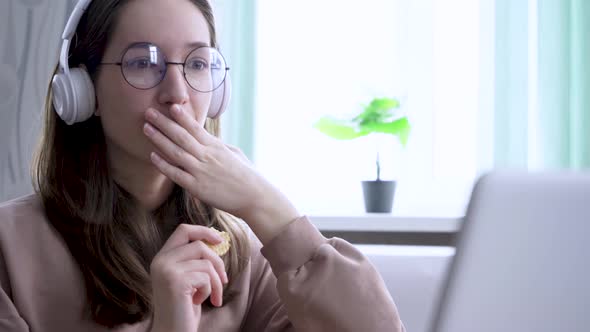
322,285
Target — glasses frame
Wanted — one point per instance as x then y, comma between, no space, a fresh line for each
167,63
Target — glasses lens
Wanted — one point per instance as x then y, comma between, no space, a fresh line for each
143,66
204,69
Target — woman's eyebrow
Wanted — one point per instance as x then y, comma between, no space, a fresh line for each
197,44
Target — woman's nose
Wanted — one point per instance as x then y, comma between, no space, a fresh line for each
173,88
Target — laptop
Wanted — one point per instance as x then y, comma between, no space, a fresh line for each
523,257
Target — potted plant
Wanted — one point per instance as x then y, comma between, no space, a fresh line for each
376,118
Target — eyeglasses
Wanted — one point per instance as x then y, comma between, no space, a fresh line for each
144,66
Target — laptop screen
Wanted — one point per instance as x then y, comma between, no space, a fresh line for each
522,260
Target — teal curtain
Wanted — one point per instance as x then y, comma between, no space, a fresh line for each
561,126
237,27
511,86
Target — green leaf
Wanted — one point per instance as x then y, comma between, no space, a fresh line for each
338,129
400,128
377,117
379,110
384,104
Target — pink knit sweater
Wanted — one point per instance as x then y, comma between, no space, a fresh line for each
300,281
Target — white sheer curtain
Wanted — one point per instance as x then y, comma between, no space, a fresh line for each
329,57
30,33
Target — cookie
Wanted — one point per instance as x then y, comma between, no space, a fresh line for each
223,247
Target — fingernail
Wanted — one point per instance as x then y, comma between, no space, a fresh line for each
225,278
155,157
151,114
148,129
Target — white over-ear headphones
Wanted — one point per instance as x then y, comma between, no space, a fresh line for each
73,91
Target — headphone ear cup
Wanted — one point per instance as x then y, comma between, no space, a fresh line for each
73,96
85,100
62,97
220,99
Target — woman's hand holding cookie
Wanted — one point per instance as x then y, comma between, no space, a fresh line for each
184,273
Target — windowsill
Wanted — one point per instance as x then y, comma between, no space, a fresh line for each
386,223
377,250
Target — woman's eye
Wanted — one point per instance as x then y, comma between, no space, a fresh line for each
140,63
196,64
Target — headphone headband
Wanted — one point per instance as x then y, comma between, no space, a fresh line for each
69,32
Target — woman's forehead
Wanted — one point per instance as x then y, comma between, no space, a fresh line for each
173,25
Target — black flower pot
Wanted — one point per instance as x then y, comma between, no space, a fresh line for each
378,196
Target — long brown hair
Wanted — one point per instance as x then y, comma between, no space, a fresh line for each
111,238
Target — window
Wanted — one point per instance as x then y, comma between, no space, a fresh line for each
328,57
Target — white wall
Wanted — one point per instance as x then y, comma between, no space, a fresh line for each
29,44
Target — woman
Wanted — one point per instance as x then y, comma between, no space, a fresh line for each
118,232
